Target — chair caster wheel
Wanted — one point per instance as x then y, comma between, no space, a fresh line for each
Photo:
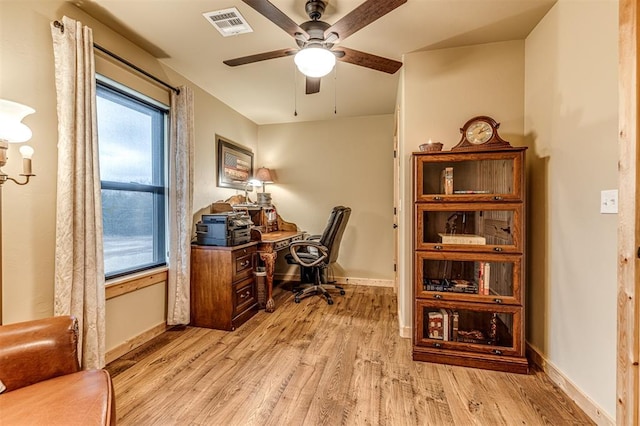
330,301
342,292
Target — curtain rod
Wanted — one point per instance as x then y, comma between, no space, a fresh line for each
59,25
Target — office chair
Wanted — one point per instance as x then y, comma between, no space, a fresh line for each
315,254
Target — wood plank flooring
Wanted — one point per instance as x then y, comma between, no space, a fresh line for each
315,364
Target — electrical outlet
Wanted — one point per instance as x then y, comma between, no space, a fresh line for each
609,201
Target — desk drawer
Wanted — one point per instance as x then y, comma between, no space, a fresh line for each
243,263
280,245
244,296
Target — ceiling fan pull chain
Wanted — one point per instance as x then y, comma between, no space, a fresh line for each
295,92
335,90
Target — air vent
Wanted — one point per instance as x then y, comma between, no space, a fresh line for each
228,22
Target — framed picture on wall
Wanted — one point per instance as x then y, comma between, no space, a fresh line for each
235,164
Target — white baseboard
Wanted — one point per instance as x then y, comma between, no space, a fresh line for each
342,280
593,410
134,342
405,331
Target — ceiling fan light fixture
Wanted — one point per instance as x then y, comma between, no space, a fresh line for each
315,61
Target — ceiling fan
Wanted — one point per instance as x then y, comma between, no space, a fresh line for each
316,37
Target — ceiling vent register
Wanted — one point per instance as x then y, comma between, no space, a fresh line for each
228,22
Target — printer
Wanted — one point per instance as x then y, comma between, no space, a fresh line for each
224,229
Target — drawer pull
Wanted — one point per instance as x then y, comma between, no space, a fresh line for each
245,263
245,295
497,198
498,301
437,198
437,296
497,249
437,345
437,247
496,351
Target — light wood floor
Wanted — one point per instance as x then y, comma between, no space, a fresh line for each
312,364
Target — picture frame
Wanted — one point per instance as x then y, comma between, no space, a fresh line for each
235,164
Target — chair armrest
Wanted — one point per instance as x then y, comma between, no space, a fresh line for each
323,252
38,350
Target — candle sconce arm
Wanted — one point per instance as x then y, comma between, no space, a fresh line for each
4,178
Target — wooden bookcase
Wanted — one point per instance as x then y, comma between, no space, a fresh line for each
469,258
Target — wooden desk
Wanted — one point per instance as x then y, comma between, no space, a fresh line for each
268,246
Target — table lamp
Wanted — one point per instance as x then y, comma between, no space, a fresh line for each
265,176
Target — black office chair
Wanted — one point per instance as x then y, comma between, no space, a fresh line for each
315,254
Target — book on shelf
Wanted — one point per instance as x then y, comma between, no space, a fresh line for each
483,272
461,238
446,319
454,326
487,278
443,324
435,325
446,181
480,277
463,286
472,336
455,286
471,191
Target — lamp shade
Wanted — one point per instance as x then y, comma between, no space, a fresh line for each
11,115
264,175
315,61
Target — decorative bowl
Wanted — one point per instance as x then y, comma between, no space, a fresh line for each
431,147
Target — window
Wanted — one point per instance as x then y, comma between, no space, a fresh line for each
132,134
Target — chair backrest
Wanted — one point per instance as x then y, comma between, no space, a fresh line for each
332,234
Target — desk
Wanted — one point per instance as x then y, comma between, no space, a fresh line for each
268,246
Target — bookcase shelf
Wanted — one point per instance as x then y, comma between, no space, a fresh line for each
469,258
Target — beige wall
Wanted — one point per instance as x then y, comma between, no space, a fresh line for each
28,234
442,89
348,162
572,115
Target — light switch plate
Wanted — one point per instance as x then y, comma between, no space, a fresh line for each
609,201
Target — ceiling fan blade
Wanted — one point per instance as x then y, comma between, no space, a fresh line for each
368,60
362,16
275,15
313,85
260,57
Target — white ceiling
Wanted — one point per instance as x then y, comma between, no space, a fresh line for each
270,91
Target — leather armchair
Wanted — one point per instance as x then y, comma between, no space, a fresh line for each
42,380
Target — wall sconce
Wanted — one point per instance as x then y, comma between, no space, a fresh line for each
13,131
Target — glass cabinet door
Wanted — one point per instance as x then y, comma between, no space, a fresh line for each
475,328
489,278
465,227
495,176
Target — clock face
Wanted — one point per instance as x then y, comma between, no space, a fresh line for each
479,132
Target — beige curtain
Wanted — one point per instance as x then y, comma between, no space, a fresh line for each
180,205
79,262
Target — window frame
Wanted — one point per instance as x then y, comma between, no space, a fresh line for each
160,172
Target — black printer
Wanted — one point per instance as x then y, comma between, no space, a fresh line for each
224,229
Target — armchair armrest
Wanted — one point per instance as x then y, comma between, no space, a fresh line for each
308,261
38,350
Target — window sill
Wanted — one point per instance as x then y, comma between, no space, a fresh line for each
123,285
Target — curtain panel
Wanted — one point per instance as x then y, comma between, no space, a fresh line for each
79,262
180,206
